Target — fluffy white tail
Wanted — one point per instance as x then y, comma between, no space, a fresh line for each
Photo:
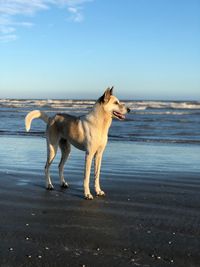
35,114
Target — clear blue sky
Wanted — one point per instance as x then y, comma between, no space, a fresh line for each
147,49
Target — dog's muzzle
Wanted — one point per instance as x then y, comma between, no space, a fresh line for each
118,115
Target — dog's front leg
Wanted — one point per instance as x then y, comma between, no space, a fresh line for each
97,167
88,163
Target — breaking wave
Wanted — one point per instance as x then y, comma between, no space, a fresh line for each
86,104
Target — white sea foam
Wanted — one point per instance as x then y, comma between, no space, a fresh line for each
142,105
86,104
189,112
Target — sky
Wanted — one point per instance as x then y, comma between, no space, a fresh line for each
146,49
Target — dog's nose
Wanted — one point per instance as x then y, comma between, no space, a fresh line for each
128,110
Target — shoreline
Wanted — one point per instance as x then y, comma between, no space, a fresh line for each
111,139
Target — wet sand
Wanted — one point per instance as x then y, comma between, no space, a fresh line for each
149,217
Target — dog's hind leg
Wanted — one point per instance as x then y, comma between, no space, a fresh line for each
51,153
65,151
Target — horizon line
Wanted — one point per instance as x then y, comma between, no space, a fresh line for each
94,99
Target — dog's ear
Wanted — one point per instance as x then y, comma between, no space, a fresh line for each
111,90
106,96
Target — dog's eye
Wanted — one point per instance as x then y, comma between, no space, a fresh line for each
116,103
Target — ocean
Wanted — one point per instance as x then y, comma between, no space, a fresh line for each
149,121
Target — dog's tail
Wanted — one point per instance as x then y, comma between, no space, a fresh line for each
35,114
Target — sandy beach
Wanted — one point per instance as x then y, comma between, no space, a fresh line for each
149,217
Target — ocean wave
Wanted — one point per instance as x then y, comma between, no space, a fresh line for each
86,104
155,140
22,133
178,113
143,105
54,104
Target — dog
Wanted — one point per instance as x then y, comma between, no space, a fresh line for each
88,133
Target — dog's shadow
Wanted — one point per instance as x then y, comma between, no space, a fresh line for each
71,191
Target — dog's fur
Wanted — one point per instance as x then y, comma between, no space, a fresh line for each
88,133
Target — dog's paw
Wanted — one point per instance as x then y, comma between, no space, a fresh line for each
50,187
100,193
88,196
64,185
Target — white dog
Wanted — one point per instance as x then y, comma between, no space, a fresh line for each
88,133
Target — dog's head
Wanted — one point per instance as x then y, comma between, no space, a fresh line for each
112,105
